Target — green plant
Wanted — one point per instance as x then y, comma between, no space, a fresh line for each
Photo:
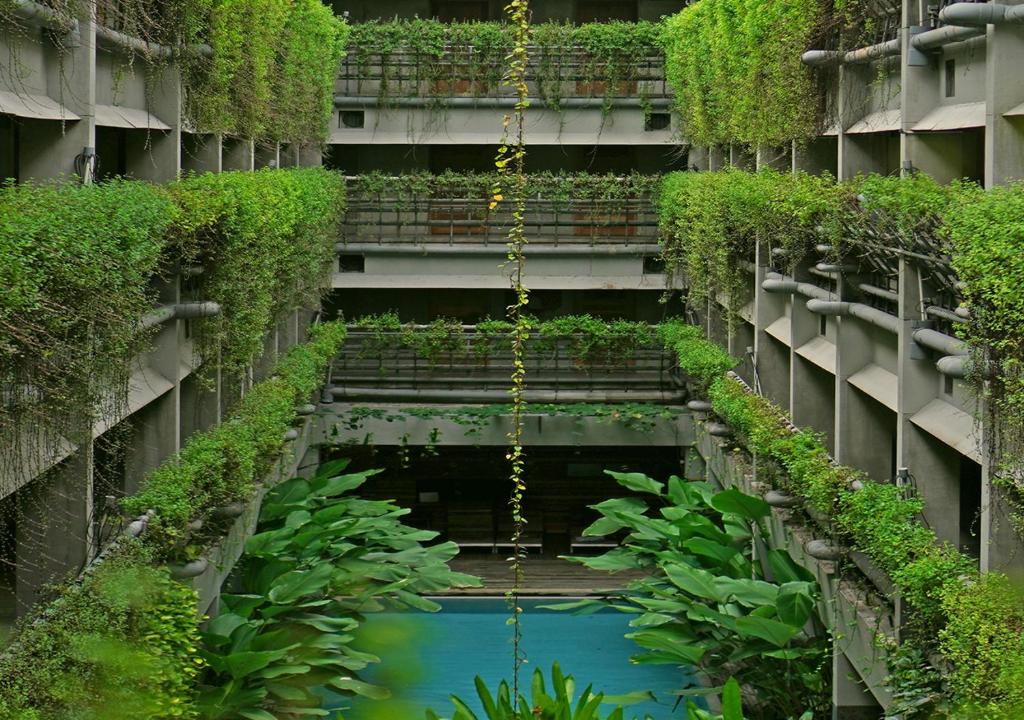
266,240
702,361
223,464
122,642
706,603
322,559
736,71
563,705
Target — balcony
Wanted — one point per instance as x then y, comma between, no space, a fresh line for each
474,366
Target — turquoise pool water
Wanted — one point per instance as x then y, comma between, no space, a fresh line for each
426,657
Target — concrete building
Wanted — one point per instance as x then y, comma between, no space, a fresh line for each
941,93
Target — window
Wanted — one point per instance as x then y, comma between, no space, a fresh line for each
947,384
657,121
822,325
352,263
950,78
352,119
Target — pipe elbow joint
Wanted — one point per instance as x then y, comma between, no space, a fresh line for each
828,307
972,14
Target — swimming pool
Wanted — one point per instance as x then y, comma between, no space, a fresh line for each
427,657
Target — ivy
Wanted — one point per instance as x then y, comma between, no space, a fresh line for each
224,464
266,240
121,643
460,59
736,70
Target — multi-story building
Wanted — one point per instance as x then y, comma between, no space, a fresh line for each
860,354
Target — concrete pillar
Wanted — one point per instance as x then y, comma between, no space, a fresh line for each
812,389
850,699
237,154
201,153
54,527
1004,90
718,157
933,466
154,155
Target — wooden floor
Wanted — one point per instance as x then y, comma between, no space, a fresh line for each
543,576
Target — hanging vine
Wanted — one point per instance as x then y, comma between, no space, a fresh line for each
511,164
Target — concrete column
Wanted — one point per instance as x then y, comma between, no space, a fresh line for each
718,157
54,527
1004,90
201,153
771,355
238,154
812,389
699,158
933,465
154,155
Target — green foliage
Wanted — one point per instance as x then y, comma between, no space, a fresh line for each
736,70
706,602
702,360
321,559
470,58
223,464
561,705
121,643
272,70
266,240
712,221
74,282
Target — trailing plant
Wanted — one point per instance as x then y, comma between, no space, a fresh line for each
941,586
702,360
706,603
736,70
320,561
561,705
74,284
120,643
266,242
592,340
711,222
470,59
224,464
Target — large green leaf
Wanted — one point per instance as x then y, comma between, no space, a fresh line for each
772,631
350,684
637,482
795,603
784,568
738,503
300,583
732,701
693,580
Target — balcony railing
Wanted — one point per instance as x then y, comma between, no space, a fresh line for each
476,367
455,217
552,76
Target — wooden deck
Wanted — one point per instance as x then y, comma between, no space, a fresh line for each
543,576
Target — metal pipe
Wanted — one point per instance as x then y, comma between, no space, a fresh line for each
935,39
878,292
833,268
878,318
981,14
440,395
890,48
953,365
345,101
775,283
943,313
823,248
47,17
409,248
821,58
940,342
131,43
180,311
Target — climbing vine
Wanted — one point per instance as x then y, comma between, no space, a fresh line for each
736,70
511,164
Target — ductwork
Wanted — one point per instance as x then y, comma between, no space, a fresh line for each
180,311
937,38
953,365
981,14
878,292
132,44
883,320
37,13
891,48
776,283
821,58
939,342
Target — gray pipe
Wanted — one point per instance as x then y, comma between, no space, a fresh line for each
339,393
878,292
935,39
890,48
943,313
493,249
953,365
775,283
834,269
132,44
883,320
821,58
180,311
48,18
823,248
940,342
344,101
981,14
